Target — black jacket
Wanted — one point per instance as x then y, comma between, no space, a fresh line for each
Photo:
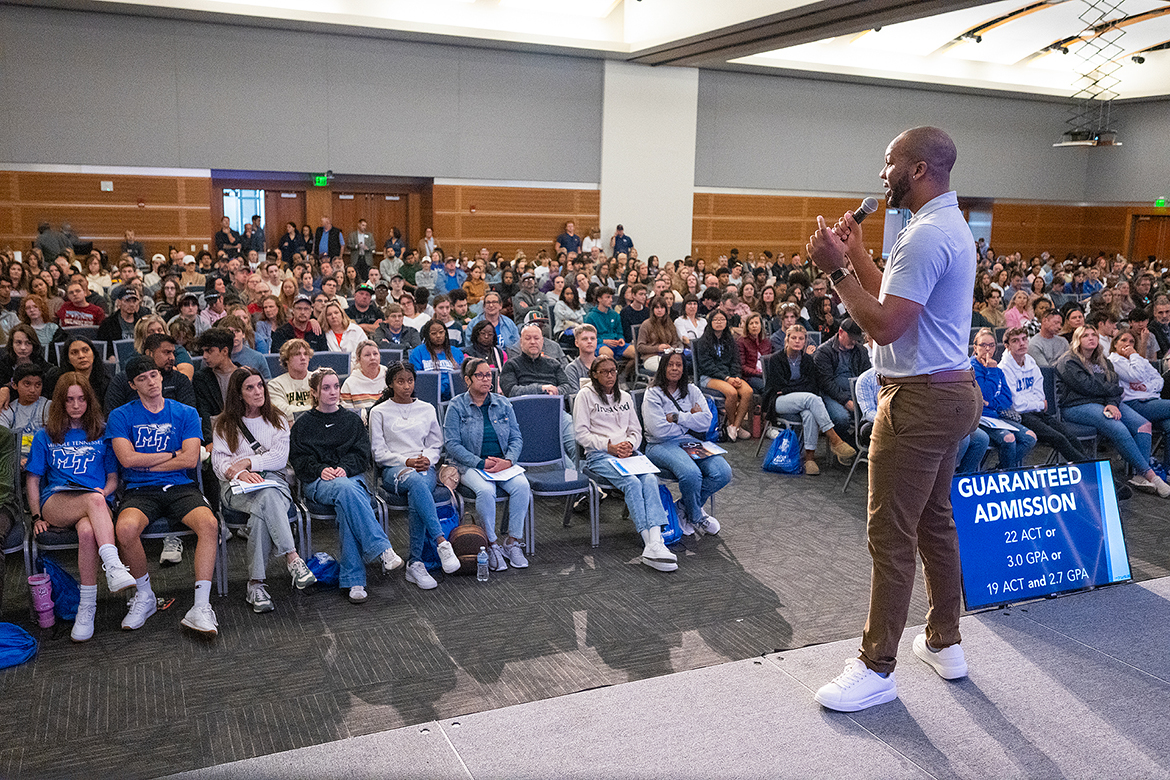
779,377
208,399
335,241
835,368
523,375
1079,386
111,329
320,440
712,363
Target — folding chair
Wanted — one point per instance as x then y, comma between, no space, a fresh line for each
539,416
390,356
274,366
861,431
641,376
770,417
428,387
88,331
123,350
1082,433
310,510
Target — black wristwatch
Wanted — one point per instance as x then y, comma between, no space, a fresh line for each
838,276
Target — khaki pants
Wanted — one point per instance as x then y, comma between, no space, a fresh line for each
911,462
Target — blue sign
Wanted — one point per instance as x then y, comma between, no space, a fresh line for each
1029,533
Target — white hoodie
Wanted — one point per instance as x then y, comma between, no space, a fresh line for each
1026,383
597,423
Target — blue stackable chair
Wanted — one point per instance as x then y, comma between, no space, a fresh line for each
1082,433
123,350
540,425
274,366
338,361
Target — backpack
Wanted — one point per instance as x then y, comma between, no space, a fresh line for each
66,592
466,539
784,455
16,645
325,568
448,522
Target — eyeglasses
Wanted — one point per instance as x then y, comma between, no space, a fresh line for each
607,370
482,375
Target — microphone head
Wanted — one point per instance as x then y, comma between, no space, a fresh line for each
868,206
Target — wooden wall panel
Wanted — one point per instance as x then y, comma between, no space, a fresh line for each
509,218
1033,228
174,211
753,223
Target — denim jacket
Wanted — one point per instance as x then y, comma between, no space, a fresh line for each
463,430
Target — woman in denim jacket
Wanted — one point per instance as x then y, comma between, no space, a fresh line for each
474,448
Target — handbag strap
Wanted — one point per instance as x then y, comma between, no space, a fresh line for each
256,447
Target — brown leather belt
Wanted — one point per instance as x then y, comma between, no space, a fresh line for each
942,377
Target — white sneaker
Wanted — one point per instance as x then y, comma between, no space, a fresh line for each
950,662
1138,482
201,618
172,551
656,554
772,432
390,560
418,574
496,560
448,558
731,432
142,606
83,623
710,524
857,688
118,577
357,595
259,598
1161,486
515,555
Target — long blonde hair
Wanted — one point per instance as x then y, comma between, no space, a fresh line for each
1094,358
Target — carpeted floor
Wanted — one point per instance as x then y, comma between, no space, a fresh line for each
789,569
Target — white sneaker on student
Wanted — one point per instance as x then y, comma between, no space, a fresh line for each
857,688
1161,487
142,606
950,662
1138,482
496,560
83,623
390,560
655,553
710,524
118,577
417,573
259,598
357,595
448,557
201,618
172,551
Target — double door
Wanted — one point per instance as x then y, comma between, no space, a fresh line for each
382,210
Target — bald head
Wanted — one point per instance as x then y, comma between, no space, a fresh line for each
931,146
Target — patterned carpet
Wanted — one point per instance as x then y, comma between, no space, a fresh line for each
789,569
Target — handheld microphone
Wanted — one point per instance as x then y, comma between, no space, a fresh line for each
867,207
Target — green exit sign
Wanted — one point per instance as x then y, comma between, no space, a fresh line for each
321,181
1160,203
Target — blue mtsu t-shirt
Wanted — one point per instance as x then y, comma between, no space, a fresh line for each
162,432
74,464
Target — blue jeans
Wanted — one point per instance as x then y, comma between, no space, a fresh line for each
1011,453
519,496
419,489
362,539
971,451
813,416
1133,445
842,418
698,480
641,491
1157,411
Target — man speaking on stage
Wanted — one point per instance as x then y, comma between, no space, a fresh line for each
919,314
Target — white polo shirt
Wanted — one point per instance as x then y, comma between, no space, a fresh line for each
932,263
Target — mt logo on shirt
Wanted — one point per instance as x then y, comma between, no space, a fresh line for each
152,437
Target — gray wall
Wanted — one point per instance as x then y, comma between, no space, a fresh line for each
86,88
778,132
1140,169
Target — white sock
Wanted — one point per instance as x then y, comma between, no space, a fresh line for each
143,584
202,593
109,555
88,596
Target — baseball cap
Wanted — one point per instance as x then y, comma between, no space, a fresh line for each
125,291
365,286
211,295
852,328
302,299
527,275
382,285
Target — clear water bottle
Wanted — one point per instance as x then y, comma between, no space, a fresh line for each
481,565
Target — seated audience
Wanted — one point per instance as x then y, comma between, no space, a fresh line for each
506,332
838,360
609,326
400,426
791,388
28,412
532,373
157,443
717,356
325,435
250,444
657,334
481,434
1047,346
393,333
341,335
675,411
1026,384
1089,395
1000,420
1141,386
242,353
365,385
690,325
72,472
606,425
753,346
435,353
301,325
